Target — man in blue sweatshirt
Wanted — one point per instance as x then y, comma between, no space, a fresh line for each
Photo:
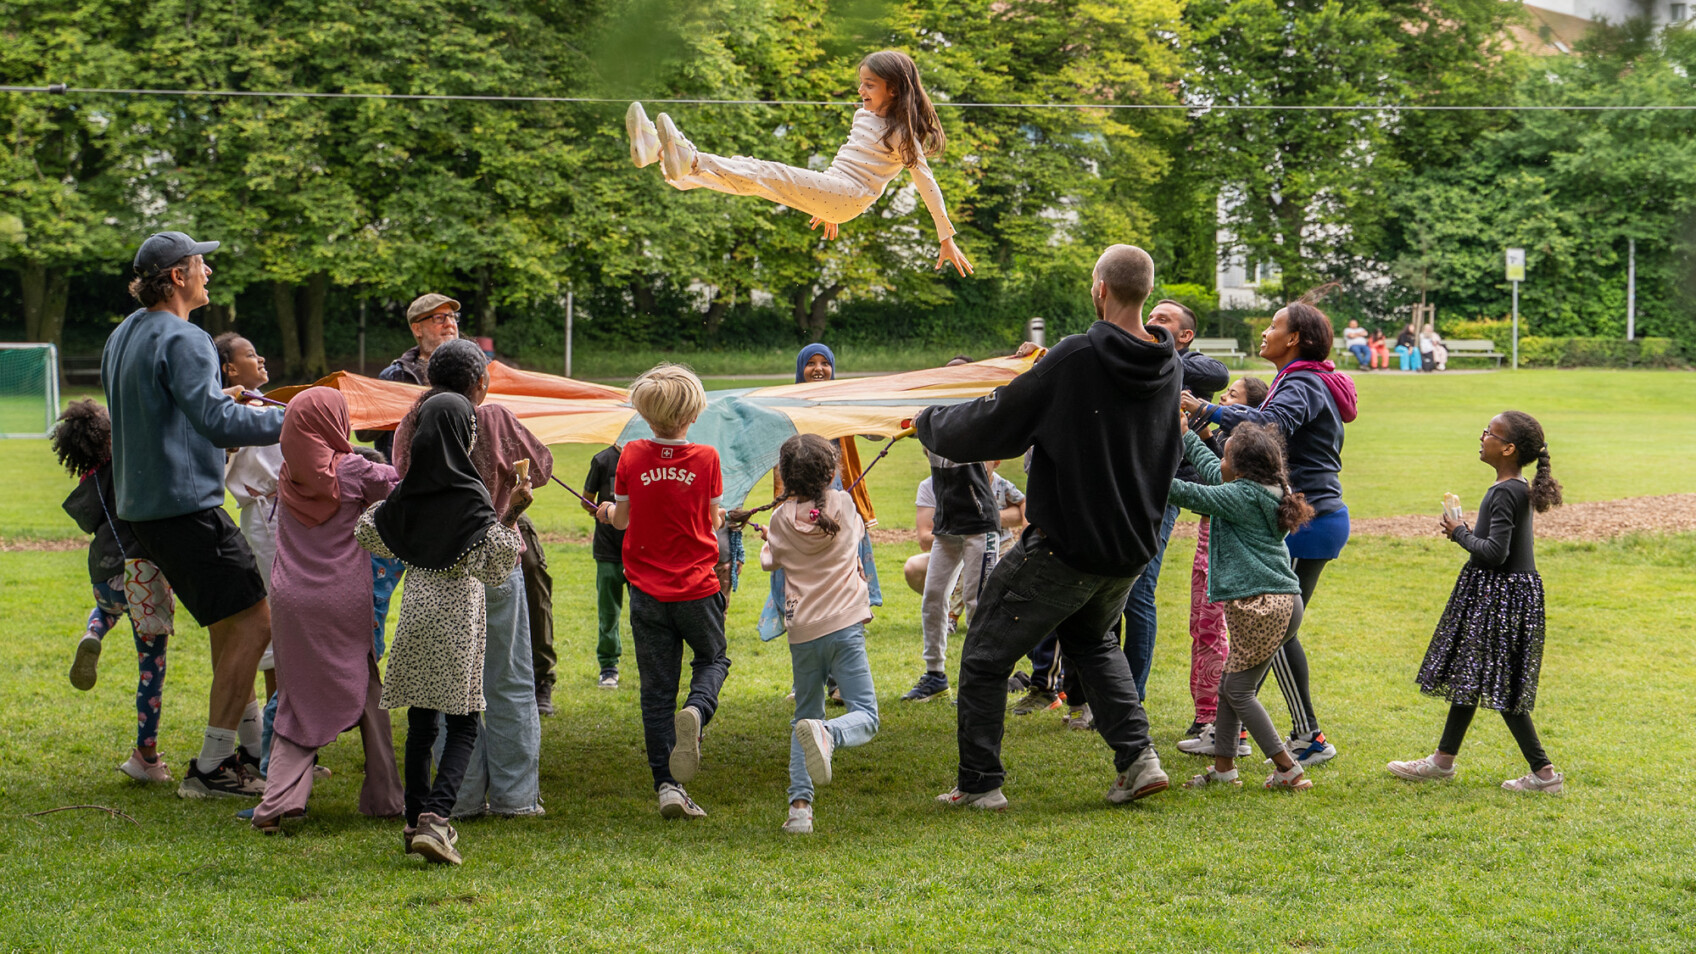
1100,412
170,426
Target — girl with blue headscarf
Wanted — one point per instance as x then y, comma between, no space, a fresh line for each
815,363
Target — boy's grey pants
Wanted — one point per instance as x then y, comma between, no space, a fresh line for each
967,558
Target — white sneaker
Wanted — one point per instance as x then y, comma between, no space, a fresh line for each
817,747
991,800
800,821
1140,779
1080,718
1421,770
686,752
1311,749
1203,744
677,154
1211,778
676,803
1530,782
142,770
84,667
644,138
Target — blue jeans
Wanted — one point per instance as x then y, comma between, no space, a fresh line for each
1362,354
1141,622
842,655
505,761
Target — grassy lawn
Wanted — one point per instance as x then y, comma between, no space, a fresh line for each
1361,863
1417,436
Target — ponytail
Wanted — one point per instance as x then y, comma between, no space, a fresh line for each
1293,510
1526,436
1545,489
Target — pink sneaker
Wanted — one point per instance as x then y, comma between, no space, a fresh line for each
142,770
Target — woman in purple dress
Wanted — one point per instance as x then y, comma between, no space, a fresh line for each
327,678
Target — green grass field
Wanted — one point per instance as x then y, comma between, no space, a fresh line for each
1362,862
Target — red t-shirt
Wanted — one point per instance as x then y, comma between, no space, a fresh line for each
671,488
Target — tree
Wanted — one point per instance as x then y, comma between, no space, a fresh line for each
1305,189
62,183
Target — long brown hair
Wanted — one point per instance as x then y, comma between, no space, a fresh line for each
1526,436
807,464
914,131
1256,452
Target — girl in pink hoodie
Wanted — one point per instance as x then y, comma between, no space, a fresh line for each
815,537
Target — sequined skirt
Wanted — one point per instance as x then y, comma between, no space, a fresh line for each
1488,647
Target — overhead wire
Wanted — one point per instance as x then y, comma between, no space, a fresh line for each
61,89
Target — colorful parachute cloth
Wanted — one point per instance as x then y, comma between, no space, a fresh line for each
746,426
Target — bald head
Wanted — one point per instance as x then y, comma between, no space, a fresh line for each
1128,273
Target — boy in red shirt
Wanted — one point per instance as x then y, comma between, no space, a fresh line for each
666,499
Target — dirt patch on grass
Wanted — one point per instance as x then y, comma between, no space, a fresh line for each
1595,520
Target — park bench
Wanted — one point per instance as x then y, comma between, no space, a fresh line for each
81,369
1217,347
1473,348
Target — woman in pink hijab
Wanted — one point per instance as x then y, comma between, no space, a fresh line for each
327,680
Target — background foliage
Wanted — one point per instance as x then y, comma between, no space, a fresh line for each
333,209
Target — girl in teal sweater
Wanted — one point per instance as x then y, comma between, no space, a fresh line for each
1252,508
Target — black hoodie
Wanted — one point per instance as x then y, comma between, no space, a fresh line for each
1101,412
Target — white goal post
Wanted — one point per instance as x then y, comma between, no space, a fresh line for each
29,389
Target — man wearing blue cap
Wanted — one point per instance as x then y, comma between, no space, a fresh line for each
170,426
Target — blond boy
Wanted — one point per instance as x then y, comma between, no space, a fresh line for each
666,496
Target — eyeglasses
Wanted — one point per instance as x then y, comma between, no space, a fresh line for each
1489,433
439,319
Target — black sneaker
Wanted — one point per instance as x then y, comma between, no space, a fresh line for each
545,700
931,685
250,763
1195,730
228,780
1018,682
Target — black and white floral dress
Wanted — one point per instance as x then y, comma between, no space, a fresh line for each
437,658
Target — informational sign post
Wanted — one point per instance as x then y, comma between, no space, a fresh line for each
1516,274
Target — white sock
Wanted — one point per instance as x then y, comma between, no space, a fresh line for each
220,744
248,729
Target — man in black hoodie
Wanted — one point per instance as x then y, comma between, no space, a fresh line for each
1100,411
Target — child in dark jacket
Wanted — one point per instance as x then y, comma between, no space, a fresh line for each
1488,647
1252,508
125,581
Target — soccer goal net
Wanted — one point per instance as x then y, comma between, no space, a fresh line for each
29,389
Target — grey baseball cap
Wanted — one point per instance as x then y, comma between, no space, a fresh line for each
164,249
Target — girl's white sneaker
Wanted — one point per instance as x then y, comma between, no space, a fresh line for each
1531,782
800,821
677,154
1421,770
644,138
816,745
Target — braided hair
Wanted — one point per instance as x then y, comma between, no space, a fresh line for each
1256,452
1526,436
807,463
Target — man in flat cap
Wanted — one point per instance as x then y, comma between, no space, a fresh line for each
171,423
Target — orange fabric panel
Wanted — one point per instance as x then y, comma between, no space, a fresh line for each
509,380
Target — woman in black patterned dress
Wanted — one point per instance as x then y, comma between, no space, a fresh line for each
1488,647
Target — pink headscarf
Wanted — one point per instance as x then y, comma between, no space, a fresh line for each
314,442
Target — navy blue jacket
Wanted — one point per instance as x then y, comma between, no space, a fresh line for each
1303,409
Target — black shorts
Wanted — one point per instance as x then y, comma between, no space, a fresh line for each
207,561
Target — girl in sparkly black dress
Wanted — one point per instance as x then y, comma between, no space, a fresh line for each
1488,647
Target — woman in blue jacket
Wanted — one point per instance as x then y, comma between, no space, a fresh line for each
1309,403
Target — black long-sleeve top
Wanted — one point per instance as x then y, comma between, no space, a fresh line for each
1501,538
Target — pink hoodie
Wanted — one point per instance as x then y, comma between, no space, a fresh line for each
824,590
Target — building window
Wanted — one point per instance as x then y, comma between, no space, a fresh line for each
1678,11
